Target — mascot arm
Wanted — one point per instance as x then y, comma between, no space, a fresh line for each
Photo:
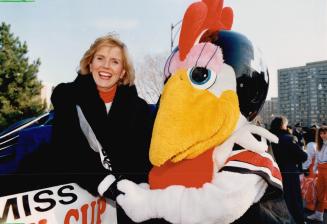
224,200
243,136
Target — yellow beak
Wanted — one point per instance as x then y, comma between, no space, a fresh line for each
190,120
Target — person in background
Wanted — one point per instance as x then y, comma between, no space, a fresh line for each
321,165
310,148
298,133
309,178
289,155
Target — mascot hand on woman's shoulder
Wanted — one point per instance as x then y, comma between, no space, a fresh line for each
208,166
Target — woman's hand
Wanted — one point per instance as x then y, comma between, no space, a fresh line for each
108,187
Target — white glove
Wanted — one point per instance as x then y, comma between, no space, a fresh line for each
105,184
136,201
143,204
108,187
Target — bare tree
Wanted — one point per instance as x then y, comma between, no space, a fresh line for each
150,77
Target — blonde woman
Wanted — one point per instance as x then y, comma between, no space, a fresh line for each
102,129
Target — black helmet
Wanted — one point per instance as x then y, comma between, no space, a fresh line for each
251,73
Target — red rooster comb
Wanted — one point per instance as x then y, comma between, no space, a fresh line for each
207,15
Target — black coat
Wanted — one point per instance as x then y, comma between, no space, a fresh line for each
125,132
289,155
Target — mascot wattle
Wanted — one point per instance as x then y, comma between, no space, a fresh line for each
208,166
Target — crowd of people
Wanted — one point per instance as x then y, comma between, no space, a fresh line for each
301,155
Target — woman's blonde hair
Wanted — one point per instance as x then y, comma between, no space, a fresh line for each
110,40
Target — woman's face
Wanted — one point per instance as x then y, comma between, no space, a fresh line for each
323,135
107,67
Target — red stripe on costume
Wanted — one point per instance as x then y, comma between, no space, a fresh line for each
256,160
189,172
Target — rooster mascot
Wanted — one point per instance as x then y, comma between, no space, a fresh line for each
210,164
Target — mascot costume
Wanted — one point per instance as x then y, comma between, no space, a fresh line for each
208,167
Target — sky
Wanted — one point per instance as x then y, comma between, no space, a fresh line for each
289,33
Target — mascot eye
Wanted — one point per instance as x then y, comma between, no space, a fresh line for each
201,78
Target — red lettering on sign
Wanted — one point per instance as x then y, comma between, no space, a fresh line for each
43,221
101,209
101,202
69,214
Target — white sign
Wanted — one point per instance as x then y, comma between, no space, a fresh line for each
64,204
